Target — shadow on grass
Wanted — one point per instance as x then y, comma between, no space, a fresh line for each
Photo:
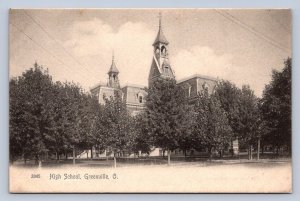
148,161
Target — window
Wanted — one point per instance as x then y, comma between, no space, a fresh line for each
205,86
140,99
157,50
188,89
163,50
189,92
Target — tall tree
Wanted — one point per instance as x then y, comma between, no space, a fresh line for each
50,118
211,129
141,137
17,136
29,122
241,106
92,123
118,124
276,107
249,119
73,111
56,140
229,96
168,114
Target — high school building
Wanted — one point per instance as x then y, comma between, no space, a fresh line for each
161,67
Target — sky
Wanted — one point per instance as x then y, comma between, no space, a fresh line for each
239,45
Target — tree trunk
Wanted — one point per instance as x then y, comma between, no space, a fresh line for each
231,147
57,156
105,153
258,148
210,154
92,153
169,157
221,153
36,160
87,154
39,161
249,154
74,155
185,153
163,151
115,161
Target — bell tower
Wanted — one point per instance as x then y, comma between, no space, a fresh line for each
160,66
113,75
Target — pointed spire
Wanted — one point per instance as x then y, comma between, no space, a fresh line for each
160,38
159,16
113,67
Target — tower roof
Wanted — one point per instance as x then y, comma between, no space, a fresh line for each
113,67
160,38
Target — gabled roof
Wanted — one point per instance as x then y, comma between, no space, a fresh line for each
195,76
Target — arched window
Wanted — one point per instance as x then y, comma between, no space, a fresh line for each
157,50
163,50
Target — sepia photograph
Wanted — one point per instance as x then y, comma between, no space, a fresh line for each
150,100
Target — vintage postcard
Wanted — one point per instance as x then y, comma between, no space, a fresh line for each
150,100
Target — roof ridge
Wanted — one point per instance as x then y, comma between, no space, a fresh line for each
198,76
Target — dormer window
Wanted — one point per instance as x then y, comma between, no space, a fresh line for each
205,86
139,97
